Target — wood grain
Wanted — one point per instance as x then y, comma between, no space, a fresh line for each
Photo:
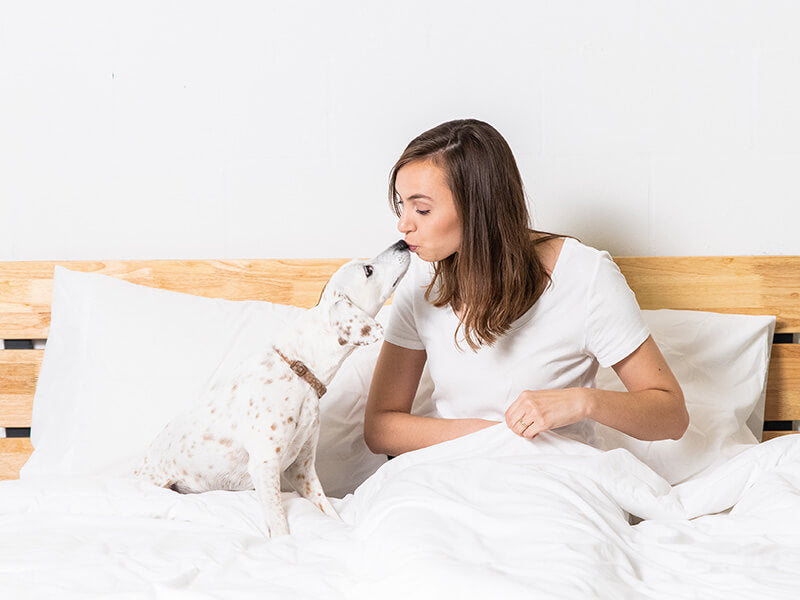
26,288
19,370
13,454
749,285
783,384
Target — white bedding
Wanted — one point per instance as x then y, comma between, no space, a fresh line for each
489,515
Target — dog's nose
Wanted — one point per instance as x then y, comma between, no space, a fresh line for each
401,245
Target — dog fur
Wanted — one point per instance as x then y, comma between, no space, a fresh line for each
264,420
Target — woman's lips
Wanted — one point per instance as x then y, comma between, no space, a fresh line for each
412,248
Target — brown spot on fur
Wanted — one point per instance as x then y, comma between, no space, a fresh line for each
278,449
290,419
208,437
235,385
365,330
251,402
301,476
226,441
272,427
342,341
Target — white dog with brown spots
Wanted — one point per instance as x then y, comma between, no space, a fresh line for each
264,420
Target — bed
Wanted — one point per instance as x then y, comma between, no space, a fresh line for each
487,515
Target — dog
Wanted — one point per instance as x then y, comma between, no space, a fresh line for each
264,419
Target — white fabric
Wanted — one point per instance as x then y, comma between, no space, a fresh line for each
721,362
489,515
123,359
588,315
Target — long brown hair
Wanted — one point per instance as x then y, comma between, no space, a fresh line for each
496,276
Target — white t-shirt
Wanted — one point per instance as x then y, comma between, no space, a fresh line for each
587,316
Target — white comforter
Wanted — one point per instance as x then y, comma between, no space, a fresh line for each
489,515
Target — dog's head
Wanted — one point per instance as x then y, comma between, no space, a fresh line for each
358,289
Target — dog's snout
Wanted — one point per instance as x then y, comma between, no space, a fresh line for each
400,245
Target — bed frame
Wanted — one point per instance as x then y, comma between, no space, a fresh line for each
729,284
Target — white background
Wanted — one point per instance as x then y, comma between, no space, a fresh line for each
267,129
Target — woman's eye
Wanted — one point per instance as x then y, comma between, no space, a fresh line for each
368,270
423,212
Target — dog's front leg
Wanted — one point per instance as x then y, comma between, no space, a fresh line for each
266,477
302,474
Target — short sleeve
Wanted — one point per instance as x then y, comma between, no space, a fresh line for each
402,327
614,323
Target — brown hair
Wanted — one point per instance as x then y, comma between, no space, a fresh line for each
496,276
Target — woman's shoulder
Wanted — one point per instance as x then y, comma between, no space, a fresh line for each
567,253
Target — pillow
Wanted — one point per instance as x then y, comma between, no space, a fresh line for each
123,359
721,362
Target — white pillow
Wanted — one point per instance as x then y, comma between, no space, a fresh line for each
123,359
721,363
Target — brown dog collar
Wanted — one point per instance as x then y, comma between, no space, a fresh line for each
304,372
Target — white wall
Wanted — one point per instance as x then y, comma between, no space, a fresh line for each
259,129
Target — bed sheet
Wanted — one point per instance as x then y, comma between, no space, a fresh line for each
484,516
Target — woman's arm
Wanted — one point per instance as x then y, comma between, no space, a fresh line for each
389,428
653,408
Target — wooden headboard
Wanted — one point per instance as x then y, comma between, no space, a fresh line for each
731,284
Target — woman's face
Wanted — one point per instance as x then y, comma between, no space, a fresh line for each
428,221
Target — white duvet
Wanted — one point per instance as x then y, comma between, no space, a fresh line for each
489,515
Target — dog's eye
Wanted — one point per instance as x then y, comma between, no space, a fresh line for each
368,270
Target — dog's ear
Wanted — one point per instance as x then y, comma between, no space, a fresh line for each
353,325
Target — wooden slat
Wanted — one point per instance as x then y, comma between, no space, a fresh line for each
731,284
26,287
755,285
768,435
783,384
13,454
19,370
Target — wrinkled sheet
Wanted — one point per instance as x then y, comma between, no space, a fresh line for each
489,515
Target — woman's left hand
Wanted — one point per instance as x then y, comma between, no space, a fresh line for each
535,411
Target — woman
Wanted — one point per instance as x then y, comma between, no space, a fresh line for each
537,312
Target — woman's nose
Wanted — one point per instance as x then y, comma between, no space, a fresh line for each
404,224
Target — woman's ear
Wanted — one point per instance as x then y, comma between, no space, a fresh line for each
353,325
